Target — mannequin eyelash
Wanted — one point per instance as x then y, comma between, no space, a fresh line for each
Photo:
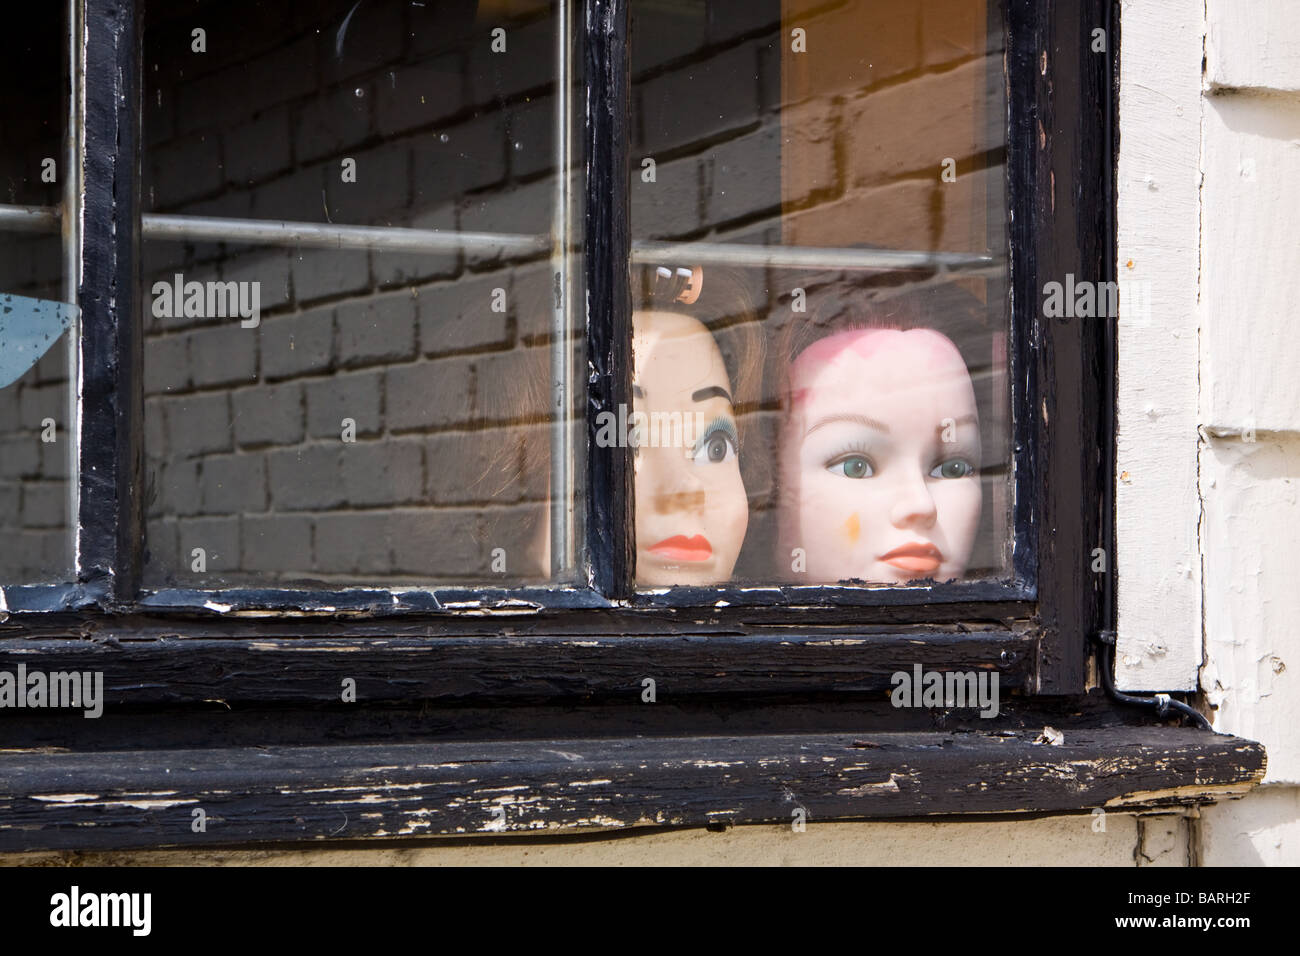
968,459
970,453
718,424
854,448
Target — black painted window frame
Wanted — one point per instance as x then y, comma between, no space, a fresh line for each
599,644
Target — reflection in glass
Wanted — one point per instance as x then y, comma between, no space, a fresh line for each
691,507
845,164
37,442
392,178
879,449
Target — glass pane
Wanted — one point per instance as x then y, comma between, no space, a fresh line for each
820,307
331,405
36,427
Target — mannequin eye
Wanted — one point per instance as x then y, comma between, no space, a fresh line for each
720,443
953,468
851,466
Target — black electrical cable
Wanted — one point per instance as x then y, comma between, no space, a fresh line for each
1161,703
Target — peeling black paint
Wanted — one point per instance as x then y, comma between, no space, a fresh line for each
277,794
1066,463
610,530
152,666
109,523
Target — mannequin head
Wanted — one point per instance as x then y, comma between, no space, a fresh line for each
880,453
691,507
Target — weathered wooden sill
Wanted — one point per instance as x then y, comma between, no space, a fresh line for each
275,794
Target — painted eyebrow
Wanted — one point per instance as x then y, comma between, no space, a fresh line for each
852,419
710,392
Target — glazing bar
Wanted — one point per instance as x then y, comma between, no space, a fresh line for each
69,217
329,236
808,257
159,226
562,425
30,218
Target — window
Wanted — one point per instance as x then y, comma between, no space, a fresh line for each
825,171
37,431
393,202
392,230
384,311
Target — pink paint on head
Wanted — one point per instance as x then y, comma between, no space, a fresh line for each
865,343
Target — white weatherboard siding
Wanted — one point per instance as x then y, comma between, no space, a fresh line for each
1250,405
1208,435
1253,44
1252,595
1250,283
1158,183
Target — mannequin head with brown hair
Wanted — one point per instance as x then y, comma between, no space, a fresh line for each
692,511
880,444
688,385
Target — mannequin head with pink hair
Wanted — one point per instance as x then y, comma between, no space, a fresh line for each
880,444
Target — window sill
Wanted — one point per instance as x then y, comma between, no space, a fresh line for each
276,794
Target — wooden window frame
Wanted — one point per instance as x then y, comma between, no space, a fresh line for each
788,684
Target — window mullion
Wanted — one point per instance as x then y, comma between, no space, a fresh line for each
610,539
106,89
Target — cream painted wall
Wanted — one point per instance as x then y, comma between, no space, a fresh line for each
1127,840
1261,830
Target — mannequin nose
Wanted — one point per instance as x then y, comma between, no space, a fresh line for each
670,480
913,505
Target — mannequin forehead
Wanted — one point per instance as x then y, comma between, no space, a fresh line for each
932,347
675,351
866,362
651,326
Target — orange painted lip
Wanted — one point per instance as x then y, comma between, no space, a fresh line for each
681,548
915,557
